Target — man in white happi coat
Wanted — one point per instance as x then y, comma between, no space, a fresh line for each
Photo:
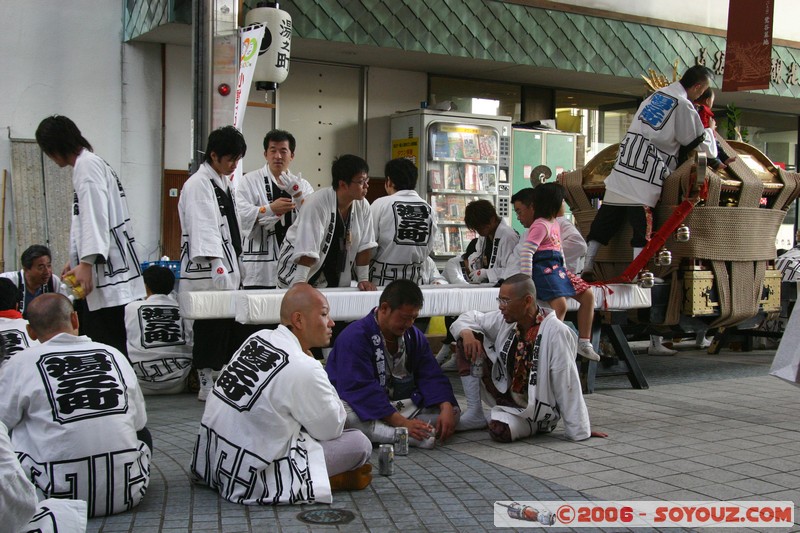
102,247
21,509
76,414
36,276
333,235
159,339
273,428
267,202
664,127
405,227
495,246
13,328
211,247
528,371
572,243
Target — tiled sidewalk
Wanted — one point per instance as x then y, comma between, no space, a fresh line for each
709,427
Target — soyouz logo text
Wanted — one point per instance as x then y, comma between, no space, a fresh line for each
689,514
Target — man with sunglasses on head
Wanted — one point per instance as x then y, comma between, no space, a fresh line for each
523,357
333,233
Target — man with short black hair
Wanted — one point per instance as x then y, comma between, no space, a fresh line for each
665,127
76,414
384,371
333,234
267,202
159,339
36,276
496,243
102,255
404,225
211,247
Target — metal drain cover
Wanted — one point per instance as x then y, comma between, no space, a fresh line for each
326,516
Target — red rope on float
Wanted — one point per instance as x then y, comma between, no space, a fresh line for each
659,238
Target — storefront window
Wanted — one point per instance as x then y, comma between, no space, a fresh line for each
476,96
603,119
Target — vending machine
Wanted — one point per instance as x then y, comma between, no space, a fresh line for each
461,157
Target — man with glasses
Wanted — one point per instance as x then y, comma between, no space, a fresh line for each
333,234
523,358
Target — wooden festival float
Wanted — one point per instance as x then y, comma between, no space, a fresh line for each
719,264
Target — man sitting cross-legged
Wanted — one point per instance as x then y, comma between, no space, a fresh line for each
76,414
529,373
272,431
383,369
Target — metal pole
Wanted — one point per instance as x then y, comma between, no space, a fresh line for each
201,78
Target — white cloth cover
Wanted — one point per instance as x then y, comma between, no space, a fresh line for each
405,229
648,153
17,494
502,250
554,392
346,304
101,226
259,244
159,344
258,438
14,336
311,235
205,232
74,407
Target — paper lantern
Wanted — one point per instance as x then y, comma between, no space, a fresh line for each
272,66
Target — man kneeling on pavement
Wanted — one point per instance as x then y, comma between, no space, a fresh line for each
273,427
525,368
384,371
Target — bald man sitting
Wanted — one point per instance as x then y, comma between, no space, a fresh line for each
273,427
76,414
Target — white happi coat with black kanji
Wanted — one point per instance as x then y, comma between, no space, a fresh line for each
74,407
554,387
258,438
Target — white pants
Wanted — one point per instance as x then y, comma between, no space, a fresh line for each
380,432
346,452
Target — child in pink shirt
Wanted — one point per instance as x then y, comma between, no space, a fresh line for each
543,259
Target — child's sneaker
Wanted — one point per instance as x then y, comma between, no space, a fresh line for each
585,350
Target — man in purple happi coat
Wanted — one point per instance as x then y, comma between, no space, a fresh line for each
384,371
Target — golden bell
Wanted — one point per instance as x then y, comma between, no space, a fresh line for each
664,258
682,234
646,279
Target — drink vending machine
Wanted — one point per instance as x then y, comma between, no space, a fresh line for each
461,157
